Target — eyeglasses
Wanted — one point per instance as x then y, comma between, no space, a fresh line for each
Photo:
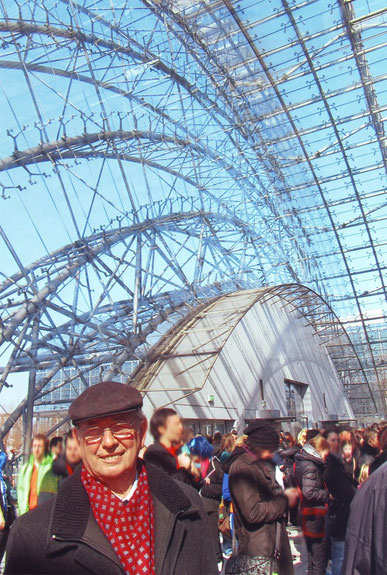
93,435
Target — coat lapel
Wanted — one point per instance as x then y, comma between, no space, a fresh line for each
170,504
73,522
163,529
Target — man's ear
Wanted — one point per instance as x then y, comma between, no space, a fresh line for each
75,434
143,431
161,430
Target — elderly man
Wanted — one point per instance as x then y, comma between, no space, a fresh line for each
115,514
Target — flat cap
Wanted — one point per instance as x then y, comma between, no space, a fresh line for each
105,398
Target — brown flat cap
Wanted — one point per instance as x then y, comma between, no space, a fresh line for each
105,398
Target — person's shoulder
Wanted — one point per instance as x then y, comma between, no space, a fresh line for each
27,464
35,519
377,479
59,466
170,491
245,461
156,446
188,490
157,453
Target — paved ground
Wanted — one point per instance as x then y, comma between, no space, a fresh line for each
298,547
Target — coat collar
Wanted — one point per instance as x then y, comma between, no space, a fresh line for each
72,506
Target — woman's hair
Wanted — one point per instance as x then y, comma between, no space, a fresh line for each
346,436
201,447
217,437
370,437
301,436
228,442
288,437
382,438
241,440
310,434
364,472
319,443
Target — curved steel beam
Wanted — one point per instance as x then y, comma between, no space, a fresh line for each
16,161
63,361
149,59
87,250
213,106
238,178
52,150
116,235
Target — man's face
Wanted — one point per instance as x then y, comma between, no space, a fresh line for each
173,429
38,449
73,453
334,444
373,440
266,454
57,449
110,458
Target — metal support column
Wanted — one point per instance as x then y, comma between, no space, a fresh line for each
29,411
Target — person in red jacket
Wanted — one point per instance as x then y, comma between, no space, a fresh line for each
167,429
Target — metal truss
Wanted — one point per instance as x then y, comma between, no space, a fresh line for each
156,154
145,272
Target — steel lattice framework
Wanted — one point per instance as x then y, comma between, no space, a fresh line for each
158,153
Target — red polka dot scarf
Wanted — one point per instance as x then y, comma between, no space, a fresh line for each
129,525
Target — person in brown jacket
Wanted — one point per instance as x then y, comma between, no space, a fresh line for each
260,505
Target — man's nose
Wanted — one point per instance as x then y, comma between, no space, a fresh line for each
108,439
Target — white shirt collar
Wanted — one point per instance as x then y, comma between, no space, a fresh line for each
129,495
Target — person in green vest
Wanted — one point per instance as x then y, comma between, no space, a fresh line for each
32,474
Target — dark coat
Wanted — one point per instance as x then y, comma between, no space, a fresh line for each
341,486
158,455
378,461
60,467
367,455
309,471
62,536
287,455
259,504
212,492
366,539
235,453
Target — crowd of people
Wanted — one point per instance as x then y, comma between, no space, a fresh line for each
100,501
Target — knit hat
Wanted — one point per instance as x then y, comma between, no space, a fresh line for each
262,434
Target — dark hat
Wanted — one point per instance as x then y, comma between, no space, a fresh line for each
105,398
262,434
